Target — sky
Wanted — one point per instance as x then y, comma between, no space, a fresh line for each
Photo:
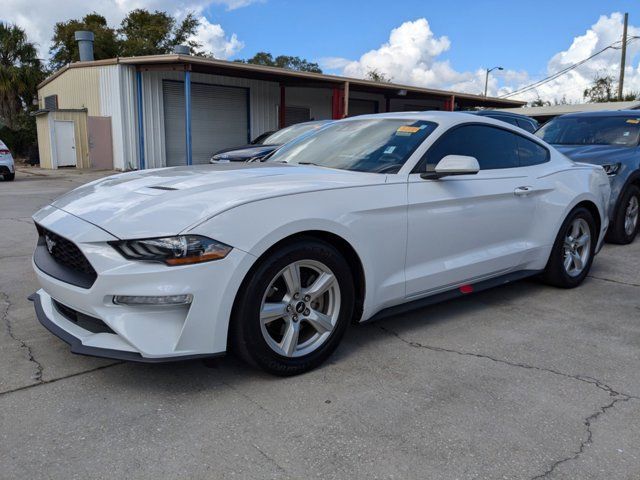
435,44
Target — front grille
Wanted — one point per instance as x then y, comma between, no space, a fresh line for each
65,252
92,324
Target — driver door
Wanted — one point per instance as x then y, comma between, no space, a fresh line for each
466,228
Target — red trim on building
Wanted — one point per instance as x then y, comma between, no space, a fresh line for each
450,104
337,104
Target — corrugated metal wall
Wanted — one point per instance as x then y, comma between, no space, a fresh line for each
76,88
44,140
264,100
118,101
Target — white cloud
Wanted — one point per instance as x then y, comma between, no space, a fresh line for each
38,18
413,53
214,40
235,4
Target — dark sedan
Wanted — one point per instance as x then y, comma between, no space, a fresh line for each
266,143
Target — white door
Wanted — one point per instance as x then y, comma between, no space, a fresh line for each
65,143
467,228
219,119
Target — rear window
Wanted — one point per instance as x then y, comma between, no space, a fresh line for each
621,131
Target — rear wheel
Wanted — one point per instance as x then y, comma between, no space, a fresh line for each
293,310
626,223
573,250
10,176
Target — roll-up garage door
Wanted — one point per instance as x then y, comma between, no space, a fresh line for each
358,106
219,119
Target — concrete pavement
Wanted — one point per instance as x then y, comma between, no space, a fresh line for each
520,382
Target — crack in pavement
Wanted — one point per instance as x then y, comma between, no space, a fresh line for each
54,380
619,282
587,441
23,345
620,396
271,460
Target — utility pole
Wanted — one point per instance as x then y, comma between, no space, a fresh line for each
623,57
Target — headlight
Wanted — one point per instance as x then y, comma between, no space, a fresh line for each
179,250
611,169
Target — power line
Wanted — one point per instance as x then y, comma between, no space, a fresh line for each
566,69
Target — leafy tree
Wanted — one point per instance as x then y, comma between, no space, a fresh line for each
601,90
283,61
64,47
152,33
376,75
141,33
20,73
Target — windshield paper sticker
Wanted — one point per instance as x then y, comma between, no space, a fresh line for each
406,130
389,150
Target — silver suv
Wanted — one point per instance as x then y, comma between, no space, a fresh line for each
7,168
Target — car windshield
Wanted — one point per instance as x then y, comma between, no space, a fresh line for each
379,145
620,131
287,134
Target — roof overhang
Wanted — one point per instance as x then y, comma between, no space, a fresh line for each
288,78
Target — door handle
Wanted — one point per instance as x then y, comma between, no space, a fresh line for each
523,191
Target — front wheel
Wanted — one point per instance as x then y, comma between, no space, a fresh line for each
573,250
9,177
293,309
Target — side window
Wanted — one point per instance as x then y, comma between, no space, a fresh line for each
531,153
505,118
528,126
492,147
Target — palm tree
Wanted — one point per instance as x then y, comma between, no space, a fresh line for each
20,73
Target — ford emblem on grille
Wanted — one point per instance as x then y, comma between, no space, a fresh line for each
50,243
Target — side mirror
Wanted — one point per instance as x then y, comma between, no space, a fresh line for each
453,165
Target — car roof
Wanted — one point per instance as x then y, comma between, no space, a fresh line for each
605,113
496,113
440,117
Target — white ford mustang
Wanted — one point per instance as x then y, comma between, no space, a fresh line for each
364,218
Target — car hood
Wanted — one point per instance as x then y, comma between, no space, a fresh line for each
167,201
596,154
245,153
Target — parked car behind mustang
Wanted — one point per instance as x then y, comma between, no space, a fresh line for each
527,123
266,144
612,140
7,167
363,218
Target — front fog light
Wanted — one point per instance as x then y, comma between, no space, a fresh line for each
143,300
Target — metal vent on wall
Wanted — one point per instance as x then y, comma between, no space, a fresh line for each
51,103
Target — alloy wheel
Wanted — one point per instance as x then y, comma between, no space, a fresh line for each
300,308
577,247
631,216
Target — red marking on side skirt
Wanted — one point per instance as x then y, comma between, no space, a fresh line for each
466,289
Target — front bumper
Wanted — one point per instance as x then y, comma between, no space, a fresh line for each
76,336
137,333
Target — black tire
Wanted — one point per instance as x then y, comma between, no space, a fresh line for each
246,338
9,177
555,272
616,232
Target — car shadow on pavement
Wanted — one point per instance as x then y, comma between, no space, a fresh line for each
228,371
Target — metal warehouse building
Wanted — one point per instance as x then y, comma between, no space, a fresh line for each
176,109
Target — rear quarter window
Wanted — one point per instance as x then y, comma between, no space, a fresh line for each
531,153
